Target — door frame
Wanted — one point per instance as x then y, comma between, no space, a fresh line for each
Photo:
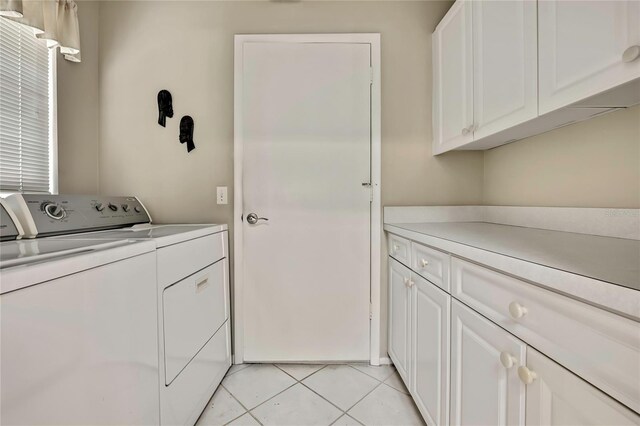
376,210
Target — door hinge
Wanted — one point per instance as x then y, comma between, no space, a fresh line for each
370,186
370,312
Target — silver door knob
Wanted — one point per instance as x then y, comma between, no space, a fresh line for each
253,218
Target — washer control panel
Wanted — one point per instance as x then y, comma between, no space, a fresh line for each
45,215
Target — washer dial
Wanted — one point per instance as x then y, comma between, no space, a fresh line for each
54,211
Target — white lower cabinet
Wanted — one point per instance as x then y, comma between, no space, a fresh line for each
430,311
558,397
399,317
485,388
462,368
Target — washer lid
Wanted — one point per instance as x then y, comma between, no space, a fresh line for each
28,262
162,235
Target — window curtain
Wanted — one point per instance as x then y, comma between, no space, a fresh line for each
55,21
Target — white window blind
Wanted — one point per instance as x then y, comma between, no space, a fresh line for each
25,90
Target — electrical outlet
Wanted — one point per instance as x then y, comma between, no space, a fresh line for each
221,195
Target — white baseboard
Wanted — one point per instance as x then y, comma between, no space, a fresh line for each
385,361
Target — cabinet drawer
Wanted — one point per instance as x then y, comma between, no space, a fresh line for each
180,260
193,310
400,249
601,347
431,264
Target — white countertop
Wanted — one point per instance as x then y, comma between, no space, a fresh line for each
604,271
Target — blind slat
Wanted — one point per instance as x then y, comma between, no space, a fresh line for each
25,80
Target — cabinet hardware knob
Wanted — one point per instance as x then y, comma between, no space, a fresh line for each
395,248
407,281
631,53
424,263
526,376
516,310
507,360
411,283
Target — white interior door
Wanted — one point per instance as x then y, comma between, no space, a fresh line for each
306,140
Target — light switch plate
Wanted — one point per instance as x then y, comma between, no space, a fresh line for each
221,195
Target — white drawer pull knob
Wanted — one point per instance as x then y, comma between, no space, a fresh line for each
411,283
631,54
395,248
407,281
507,360
516,310
527,376
424,263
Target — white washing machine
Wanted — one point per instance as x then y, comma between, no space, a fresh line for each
193,292
78,327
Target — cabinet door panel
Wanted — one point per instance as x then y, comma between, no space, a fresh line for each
430,329
559,397
453,79
399,311
483,391
505,65
581,48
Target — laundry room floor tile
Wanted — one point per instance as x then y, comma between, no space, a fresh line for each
299,371
346,421
341,385
245,420
385,406
221,409
380,372
237,367
396,382
296,406
257,383
309,395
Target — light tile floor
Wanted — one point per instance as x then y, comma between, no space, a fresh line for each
306,395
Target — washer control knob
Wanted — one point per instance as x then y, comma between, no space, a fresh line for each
99,207
54,211
113,207
125,207
136,209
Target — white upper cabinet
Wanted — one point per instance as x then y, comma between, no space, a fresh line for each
556,397
453,79
507,70
505,81
586,47
399,317
485,388
430,345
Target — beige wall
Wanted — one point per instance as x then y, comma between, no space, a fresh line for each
187,48
78,110
595,163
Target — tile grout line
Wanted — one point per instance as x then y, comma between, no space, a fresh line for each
305,377
381,381
343,412
339,408
241,404
360,400
351,417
